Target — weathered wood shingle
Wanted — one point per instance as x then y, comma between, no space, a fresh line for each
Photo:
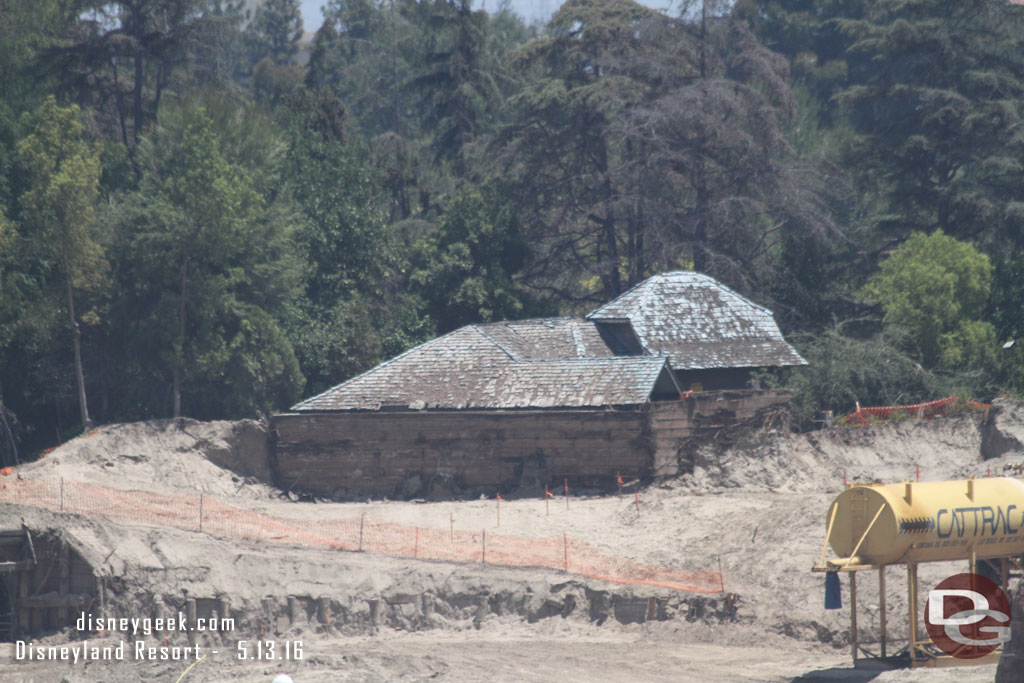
616,356
468,368
700,323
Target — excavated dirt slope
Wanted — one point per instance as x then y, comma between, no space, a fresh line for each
754,505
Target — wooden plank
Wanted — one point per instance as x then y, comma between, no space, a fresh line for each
8,567
53,599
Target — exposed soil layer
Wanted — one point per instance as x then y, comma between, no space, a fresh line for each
754,505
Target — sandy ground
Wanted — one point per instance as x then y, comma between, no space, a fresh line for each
754,505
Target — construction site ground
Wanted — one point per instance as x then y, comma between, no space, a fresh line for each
754,506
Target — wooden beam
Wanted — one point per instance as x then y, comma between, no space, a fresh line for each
14,566
54,599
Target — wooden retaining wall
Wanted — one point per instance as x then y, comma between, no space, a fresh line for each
378,451
47,583
412,453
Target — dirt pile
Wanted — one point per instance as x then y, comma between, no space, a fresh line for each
754,505
940,448
217,458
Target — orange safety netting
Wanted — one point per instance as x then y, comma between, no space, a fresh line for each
941,407
212,516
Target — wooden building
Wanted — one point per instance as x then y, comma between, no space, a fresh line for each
523,403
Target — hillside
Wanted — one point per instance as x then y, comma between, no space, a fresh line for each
755,503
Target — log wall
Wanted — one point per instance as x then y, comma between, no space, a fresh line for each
415,453
376,452
46,583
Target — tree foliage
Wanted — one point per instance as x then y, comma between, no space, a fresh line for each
237,218
935,287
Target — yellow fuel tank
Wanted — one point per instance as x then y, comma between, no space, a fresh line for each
930,521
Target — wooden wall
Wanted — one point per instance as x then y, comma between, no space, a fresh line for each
417,453
46,583
675,424
376,452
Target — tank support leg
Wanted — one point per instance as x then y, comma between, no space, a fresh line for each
912,608
853,616
881,605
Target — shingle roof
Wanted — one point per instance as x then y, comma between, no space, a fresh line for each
469,368
700,323
548,338
684,320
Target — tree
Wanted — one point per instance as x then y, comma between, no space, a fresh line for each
467,267
120,57
456,80
644,143
355,309
935,97
275,31
64,172
845,368
935,287
361,55
206,265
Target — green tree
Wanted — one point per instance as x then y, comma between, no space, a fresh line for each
845,368
206,264
935,97
64,172
936,288
355,309
122,57
275,30
469,267
643,143
456,78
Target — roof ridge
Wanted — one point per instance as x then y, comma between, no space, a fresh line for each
494,341
620,295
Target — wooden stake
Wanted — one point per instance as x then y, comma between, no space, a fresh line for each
636,498
565,546
200,512
483,546
362,518
566,494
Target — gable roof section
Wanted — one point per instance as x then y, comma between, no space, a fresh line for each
500,366
547,338
699,323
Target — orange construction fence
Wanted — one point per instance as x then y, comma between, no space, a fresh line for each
941,407
200,512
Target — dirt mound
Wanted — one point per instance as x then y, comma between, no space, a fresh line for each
941,448
217,458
